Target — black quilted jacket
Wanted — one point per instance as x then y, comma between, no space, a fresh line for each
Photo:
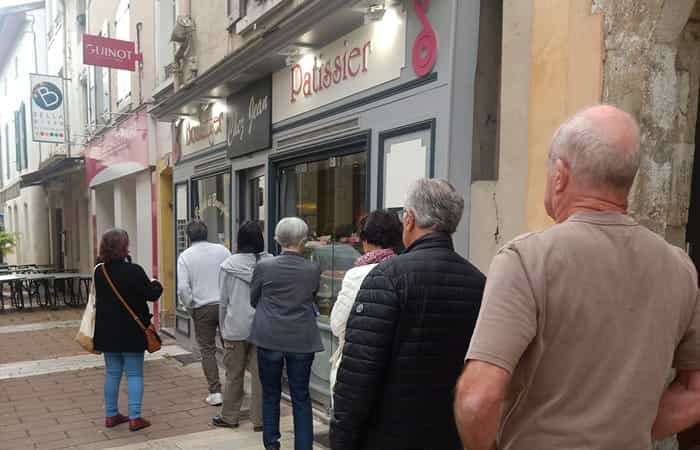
404,349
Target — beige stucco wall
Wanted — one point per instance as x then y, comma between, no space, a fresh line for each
212,42
552,67
141,12
498,207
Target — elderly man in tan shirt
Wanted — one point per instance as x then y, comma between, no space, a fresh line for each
580,324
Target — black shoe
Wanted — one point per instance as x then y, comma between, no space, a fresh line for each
258,429
217,421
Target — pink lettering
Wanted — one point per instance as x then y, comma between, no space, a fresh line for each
296,90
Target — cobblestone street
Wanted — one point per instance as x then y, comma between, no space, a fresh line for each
51,395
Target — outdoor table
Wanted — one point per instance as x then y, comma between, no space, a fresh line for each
71,281
16,295
33,284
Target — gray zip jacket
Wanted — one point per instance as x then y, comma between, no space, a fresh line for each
235,312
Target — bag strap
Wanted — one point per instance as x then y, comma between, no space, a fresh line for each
121,299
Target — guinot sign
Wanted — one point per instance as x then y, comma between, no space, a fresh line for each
108,52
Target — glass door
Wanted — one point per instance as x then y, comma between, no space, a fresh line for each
252,196
330,194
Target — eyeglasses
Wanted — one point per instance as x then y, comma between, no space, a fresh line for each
402,214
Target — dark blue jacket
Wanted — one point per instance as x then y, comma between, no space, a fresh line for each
405,344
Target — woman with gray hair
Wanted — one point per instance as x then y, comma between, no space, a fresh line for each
285,332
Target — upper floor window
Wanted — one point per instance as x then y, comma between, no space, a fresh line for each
123,32
21,138
166,13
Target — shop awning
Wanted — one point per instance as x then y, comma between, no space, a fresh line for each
116,171
57,166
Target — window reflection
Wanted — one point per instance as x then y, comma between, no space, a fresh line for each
212,205
330,195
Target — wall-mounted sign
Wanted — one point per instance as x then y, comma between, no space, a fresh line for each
425,46
250,119
108,52
369,56
207,131
48,123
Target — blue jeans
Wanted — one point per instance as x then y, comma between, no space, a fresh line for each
270,365
115,364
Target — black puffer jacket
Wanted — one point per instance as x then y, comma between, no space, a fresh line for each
405,344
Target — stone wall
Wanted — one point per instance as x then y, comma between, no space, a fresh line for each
652,70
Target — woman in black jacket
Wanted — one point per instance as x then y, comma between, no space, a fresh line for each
117,334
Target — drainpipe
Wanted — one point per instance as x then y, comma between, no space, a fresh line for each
66,110
139,28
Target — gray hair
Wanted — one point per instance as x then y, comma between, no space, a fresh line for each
291,232
435,204
596,157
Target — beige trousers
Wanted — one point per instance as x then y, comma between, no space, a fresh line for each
239,356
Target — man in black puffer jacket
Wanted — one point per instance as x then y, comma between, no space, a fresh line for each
407,335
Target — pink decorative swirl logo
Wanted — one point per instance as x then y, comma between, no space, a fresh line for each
425,46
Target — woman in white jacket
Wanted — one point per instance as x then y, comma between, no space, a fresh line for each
381,234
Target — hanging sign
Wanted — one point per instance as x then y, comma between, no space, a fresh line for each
108,52
48,122
250,119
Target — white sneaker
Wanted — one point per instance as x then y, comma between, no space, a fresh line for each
214,399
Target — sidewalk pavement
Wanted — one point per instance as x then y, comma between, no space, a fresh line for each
242,438
65,409
38,315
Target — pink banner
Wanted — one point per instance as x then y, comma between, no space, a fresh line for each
127,142
107,52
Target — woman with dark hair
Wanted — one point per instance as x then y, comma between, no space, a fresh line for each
381,235
117,335
235,319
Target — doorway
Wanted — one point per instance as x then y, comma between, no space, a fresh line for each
690,439
60,242
166,219
251,201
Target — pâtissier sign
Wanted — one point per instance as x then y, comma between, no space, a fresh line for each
369,56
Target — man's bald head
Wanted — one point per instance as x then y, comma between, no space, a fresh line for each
601,146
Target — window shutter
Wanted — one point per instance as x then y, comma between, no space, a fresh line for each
23,129
18,151
235,10
7,149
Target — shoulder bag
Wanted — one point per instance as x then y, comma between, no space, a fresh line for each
86,332
153,341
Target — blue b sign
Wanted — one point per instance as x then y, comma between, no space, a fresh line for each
48,123
47,96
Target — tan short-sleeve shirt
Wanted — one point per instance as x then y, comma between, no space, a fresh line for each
588,317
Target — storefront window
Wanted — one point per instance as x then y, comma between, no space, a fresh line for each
212,205
330,195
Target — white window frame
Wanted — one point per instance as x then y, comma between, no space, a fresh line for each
122,30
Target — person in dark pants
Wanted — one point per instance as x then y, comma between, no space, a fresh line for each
117,335
284,330
407,334
198,289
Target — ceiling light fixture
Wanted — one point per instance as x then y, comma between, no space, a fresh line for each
375,12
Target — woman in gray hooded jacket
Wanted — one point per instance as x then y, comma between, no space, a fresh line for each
235,319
